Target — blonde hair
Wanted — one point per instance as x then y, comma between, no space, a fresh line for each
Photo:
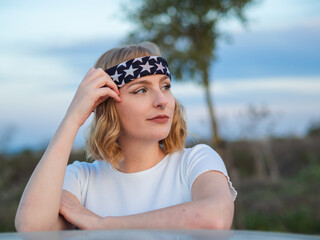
101,140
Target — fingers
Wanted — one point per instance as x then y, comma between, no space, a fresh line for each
68,199
104,93
99,78
93,74
68,195
75,213
89,72
105,81
96,87
107,92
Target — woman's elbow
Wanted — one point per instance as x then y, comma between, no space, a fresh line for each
213,223
20,224
24,225
217,220
218,224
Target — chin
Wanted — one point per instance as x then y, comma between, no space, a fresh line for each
159,135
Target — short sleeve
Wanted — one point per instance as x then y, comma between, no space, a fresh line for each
75,179
202,158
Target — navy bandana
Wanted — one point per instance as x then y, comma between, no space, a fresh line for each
136,68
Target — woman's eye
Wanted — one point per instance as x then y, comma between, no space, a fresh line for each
167,87
142,90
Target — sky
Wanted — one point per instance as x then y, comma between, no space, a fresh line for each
272,64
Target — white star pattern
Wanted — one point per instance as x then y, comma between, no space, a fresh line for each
138,59
123,64
115,77
146,67
130,71
160,66
154,57
121,75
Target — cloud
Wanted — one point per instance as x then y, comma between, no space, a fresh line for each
61,21
271,15
283,85
293,86
290,51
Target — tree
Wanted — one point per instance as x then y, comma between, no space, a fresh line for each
186,31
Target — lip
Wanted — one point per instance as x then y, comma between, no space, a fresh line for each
159,119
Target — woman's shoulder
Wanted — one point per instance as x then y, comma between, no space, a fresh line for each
199,146
200,149
195,153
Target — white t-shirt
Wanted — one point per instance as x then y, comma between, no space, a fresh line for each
108,192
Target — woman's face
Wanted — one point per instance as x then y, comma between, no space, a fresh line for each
146,108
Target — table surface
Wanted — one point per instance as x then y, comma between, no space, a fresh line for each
156,235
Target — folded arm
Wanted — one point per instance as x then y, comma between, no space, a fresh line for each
211,208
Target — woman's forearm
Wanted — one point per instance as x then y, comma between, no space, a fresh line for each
192,215
39,205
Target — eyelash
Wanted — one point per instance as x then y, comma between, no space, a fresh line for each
167,87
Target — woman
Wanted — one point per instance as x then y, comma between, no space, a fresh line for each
143,177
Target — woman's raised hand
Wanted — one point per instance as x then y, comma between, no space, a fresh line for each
46,181
95,88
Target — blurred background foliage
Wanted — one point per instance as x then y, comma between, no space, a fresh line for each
277,180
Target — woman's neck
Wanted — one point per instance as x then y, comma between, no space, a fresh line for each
139,155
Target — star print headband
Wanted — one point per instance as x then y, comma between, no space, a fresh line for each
138,67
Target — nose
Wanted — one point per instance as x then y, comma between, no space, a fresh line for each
160,100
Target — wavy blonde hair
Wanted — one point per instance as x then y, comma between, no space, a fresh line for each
103,133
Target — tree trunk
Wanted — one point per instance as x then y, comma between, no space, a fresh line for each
214,127
260,167
271,162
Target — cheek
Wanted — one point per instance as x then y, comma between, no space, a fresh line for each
123,112
129,112
172,103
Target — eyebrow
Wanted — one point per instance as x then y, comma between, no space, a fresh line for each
146,82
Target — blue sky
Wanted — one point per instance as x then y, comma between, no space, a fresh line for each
47,46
